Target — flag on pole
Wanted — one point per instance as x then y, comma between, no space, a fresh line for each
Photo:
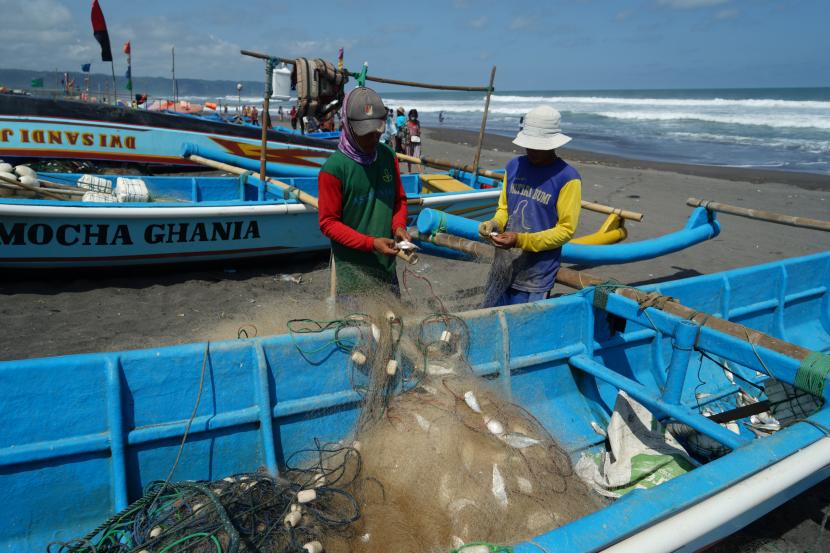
85,67
127,50
340,59
37,83
99,30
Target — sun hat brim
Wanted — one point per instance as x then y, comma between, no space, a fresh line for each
535,142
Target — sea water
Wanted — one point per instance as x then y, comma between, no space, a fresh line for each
784,129
766,128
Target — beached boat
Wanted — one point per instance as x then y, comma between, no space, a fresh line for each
84,435
46,129
189,219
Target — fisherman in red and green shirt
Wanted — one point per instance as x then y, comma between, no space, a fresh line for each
362,204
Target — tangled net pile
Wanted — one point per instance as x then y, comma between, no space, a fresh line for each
438,460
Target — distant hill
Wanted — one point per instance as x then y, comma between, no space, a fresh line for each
152,86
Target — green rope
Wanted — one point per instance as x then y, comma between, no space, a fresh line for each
441,227
491,547
811,376
270,64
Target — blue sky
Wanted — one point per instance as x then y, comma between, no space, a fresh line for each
561,44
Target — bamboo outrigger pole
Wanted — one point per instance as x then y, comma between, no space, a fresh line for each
760,215
444,164
477,157
579,280
378,79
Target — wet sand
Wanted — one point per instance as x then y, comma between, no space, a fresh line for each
63,313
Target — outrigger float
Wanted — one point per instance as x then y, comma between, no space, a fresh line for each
84,435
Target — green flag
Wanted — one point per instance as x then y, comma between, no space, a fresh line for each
37,83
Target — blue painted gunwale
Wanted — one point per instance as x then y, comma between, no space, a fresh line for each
83,434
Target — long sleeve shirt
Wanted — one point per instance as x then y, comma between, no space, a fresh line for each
568,206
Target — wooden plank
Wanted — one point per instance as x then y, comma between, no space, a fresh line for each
760,215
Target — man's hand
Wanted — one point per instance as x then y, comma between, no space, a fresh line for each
485,228
401,235
385,246
506,240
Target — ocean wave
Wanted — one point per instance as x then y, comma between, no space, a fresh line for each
809,146
781,121
670,102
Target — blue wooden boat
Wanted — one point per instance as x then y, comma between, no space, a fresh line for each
190,219
83,435
40,128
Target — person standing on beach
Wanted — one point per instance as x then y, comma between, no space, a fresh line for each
293,116
400,125
538,213
413,144
362,204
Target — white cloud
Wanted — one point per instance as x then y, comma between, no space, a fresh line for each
478,22
690,4
521,22
727,14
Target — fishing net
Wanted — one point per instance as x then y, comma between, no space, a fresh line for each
438,460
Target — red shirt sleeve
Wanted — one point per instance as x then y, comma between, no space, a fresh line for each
330,215
399,210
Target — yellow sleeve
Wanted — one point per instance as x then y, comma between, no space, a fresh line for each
501,211
567,206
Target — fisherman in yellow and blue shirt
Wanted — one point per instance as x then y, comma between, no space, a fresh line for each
538,212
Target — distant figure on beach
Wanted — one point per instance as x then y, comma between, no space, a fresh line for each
362,203
280,113
293,116
441,117
328,123
413,145
521,122
400,124
538,213
254,116
391,130
311,124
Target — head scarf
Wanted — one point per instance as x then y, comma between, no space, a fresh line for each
348,143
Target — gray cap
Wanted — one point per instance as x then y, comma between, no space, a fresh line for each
366,112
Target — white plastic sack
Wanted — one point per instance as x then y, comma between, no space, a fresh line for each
98,197
95,184
131,190
643,454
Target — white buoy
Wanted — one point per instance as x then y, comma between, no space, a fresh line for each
293,518
6,175
6,168
281,82
356,445
446,336
29,180
471,401
25,170
313,547
304,496
358,358
390,316
155,532
391,367
375,332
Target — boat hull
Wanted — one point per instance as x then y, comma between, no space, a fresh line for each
37,234
83,435
36,128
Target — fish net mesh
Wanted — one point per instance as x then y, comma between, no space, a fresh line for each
439,459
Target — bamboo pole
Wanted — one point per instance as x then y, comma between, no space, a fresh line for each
579,280
477,157
375,78
35,189
445,164
759,215
301,196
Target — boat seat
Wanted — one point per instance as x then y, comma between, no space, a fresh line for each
442,183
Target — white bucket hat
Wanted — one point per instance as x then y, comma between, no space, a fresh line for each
542,130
